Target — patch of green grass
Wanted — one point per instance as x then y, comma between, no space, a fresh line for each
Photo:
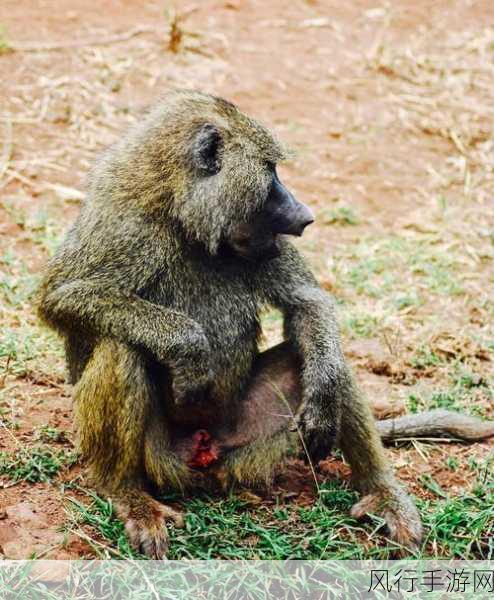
435,267
340,215
463,526
389,267
452,463
8,413
406,300
439,279
449,399
100,515
425,357
429,483
34,463
366,277
230,528
15,351
414,403
46,231
468,380
17,291
363,326
464,394
19,346
50,434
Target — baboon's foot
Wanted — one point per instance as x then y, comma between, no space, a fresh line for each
396,507
145,522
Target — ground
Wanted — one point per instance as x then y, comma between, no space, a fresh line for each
388,110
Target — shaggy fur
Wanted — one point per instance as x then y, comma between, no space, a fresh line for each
155,309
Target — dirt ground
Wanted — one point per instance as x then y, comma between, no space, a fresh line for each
388,108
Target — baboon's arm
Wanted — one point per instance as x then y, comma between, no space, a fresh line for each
106,311
96,284
311,328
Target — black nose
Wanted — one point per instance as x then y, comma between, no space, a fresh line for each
304,218
298,228
287,215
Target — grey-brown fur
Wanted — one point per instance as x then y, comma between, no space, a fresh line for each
158,311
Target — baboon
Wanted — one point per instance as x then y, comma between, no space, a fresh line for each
157,291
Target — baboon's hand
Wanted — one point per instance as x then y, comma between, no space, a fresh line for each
318,431
191,370
191,383
192,375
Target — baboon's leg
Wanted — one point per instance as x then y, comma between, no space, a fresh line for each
266,413
118,433
260,438
372,474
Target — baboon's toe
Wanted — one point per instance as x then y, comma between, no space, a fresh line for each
400,514
170,514
150,539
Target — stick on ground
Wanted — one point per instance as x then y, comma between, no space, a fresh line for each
438,423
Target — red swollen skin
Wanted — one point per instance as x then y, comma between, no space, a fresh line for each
205,451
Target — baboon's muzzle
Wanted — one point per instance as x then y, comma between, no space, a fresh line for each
287,215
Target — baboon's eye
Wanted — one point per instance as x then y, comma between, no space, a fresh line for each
206,149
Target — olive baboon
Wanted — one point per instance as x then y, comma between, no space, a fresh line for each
157,291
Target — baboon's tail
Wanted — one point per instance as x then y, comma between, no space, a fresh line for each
437,423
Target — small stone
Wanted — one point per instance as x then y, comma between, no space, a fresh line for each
387,409
24,513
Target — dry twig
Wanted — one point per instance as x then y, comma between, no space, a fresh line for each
104,41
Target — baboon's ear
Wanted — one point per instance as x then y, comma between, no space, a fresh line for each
205,149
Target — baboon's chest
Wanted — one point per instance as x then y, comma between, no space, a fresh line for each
221,300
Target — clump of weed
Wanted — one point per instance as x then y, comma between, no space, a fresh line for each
5,46
424,357
467,391
34,463
46,433
341,215
363,326
463,526
99,514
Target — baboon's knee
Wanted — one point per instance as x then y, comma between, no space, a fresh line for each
257,463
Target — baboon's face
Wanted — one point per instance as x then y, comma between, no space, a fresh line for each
242,202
